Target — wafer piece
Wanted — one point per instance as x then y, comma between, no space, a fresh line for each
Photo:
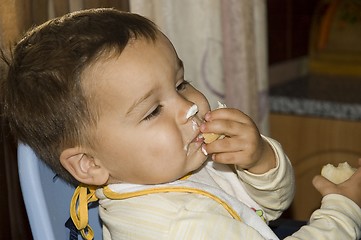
211,137
338,174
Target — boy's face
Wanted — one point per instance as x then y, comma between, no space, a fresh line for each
142,134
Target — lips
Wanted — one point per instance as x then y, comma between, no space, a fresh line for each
197,140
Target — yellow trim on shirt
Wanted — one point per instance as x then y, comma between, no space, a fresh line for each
119,196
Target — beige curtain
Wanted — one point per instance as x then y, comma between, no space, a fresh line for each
245,57
223,46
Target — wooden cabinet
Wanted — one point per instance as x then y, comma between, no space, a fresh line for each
288,28
311,143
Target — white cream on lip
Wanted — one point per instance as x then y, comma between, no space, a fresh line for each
192,111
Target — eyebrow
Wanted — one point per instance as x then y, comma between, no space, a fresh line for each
140,100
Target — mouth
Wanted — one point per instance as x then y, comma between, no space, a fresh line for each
198,139
195,143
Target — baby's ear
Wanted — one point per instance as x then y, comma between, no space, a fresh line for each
83,167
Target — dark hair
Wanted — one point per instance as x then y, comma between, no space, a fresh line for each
43,98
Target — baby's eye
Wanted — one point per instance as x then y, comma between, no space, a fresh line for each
180,87
154,113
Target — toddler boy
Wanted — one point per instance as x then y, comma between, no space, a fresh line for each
100,96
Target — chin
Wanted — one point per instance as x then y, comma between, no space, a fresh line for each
199,164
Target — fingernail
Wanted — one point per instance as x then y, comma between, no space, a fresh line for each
207,116
204,150
202,127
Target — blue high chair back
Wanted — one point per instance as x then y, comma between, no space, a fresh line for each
47,199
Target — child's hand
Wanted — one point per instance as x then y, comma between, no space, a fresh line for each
350,188
243,144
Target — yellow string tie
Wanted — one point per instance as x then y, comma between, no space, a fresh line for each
83,195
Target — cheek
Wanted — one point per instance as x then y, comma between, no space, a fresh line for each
163,142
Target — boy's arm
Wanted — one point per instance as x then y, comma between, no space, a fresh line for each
340,214
273,190
338,218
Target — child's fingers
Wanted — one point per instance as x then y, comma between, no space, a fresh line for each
324,186
229,122
224,158
230,128
356,177
242,160
233,158
225,127
225,145
230,114
244,143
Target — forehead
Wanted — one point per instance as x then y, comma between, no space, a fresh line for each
137,53
141,62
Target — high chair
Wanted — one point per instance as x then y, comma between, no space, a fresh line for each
47,199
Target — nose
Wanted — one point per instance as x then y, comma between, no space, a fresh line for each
185,110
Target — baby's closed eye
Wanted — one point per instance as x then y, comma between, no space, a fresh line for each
154,113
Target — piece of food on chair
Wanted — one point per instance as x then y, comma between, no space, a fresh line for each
338,174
